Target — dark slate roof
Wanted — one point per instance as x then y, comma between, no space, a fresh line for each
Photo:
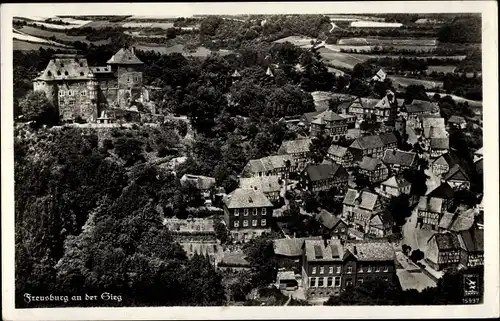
291,246
443,191
125,56
447,241
363,199
370,164
388,138
247,198
66,67
456,119
395,156
367,142
371,250
479,166
440,143
473,240
317,250
295,146
337,150
327,219
419,106
323,171
101,69
385,217
449,158
456,173
309,117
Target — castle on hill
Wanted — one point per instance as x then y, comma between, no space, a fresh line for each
94,93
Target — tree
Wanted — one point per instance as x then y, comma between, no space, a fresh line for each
221,231
371,292
260,254
37,107
129,149
416,255
406,249
399,207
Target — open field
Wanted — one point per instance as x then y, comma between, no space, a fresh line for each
59,35
162,25
458,99
443,69
376,41
405,82
27,46
375,24
18,35
55,26
200,51
457,58
342,60
296,40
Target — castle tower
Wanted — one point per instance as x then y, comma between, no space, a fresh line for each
128,70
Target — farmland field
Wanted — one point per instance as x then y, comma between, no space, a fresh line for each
443,69
375,24
29,38
200,51
405,82
37,32
458,99
296,40
388,41
162,25
55,26
27,46
342,60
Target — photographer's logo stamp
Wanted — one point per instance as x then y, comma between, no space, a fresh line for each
471,288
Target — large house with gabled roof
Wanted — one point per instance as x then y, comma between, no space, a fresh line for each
246,213
373,146
457,178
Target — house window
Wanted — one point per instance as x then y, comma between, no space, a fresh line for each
245,212
321,282
254,222
71,102
254,211
349,269
348,282
321,270
386,279
245,223
338,269
377,269
70,93
313,282
336,230
263,222
360,269
342,230
264,211
337,281
313,270
369,268
236,212
84,93
330,270
61,93
329,281
360,281
236,224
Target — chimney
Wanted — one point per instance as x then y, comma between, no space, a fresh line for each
355,250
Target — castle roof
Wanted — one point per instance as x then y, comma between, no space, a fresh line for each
125,56
66,67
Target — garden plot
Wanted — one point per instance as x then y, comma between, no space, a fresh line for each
376,41
162,25
28,46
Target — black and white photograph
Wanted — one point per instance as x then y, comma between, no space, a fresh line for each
323,158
